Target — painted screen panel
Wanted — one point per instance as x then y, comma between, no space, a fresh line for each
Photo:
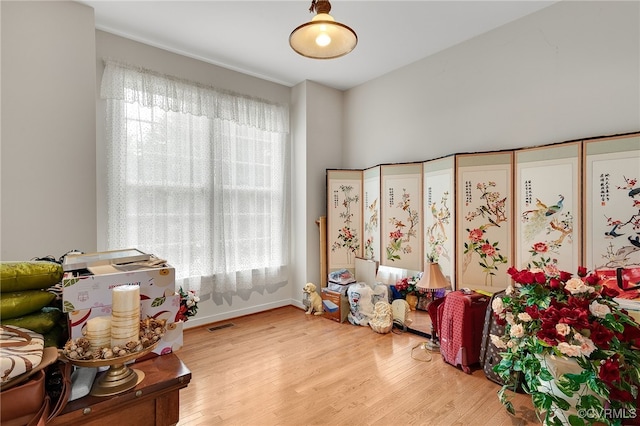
439,220
371,206
344,218
401,216
612,179
484,222
548,207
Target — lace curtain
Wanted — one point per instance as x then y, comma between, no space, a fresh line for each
198,177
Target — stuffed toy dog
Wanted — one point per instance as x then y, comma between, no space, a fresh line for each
315,301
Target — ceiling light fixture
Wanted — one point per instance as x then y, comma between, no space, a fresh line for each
323,37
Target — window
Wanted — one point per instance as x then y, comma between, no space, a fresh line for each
198,177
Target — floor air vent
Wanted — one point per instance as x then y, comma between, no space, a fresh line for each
221,326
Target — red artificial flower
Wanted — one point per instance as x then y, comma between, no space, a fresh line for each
601,335
548,334
525,277
565,276
402,284
533,311
582,271
609,292
610,370
540,277
579,303
549,318
575,317
631,334
555,283
616,394
592,279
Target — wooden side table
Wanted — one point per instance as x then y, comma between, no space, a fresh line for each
154,401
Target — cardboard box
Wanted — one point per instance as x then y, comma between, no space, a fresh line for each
87,291
93,290
339,288
334,305
160,308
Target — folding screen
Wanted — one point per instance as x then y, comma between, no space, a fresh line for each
344,218
439,208
371,236
572,204
612,173
401,214
484,219
548,206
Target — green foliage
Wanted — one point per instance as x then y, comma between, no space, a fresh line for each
551,316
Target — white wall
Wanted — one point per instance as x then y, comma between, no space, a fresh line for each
317,146
569,71
48,129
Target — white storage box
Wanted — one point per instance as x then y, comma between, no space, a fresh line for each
86,292
92,290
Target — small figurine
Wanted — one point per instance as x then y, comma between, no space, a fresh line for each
315,305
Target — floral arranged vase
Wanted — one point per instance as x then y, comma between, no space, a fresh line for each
558,366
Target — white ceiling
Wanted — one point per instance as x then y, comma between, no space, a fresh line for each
252,36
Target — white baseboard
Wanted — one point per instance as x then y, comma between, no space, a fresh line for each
199,321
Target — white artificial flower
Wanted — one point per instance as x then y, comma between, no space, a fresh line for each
497,342
524,317
598,309
497,305
586,345
509,290
517,331
563,329
568,349
510,318
576,286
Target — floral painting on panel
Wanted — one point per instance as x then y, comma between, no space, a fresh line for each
438,217
402,212
613,200
548,214
344,218
484,225
372,214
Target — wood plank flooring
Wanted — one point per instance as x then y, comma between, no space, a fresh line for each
283,367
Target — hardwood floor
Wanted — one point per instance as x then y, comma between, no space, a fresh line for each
283,367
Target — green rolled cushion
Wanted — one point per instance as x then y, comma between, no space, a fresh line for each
41,322
29,275
19,303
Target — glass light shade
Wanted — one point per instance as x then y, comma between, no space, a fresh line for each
432,277
323,38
